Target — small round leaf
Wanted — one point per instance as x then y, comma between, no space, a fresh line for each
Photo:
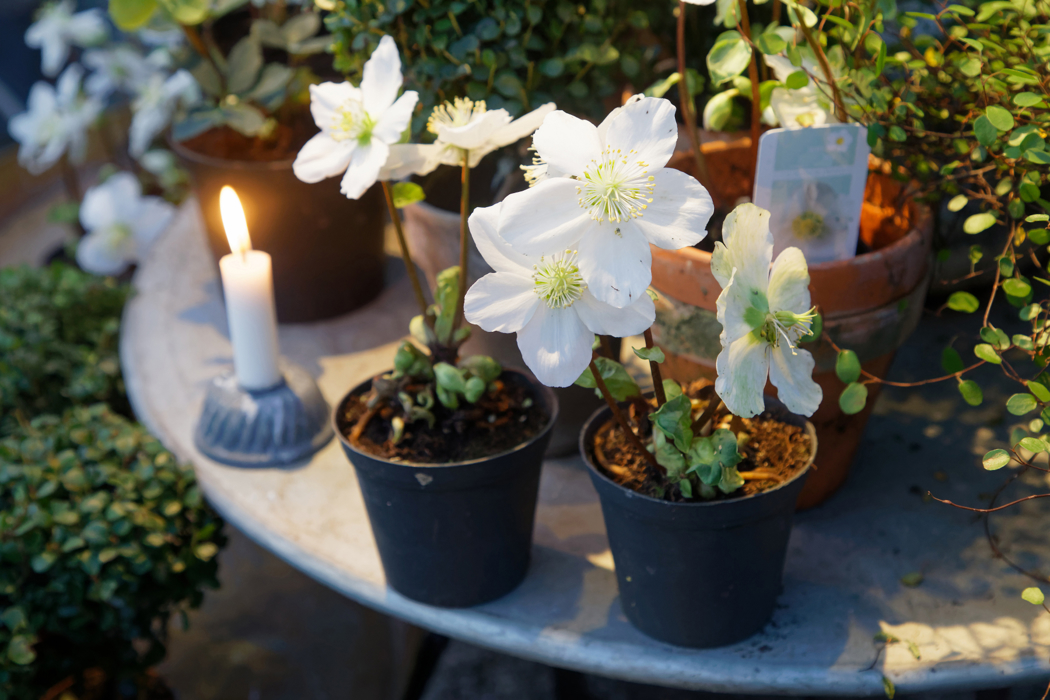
964,302
853,398
971,392
1020,404
987,353
1033,595
847,366
1000,118
996,459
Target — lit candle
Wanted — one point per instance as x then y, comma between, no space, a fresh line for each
247,281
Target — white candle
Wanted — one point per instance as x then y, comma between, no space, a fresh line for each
247,281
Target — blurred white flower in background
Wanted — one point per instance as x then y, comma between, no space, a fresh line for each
55,122
121,224
121,68
155,103
802,107
58,28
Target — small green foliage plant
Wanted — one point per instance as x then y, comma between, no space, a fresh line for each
512,54
104,536
59,330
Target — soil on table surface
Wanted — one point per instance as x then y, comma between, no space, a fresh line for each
500,421
773,447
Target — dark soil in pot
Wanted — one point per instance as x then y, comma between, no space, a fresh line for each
702,573
328,256
454,533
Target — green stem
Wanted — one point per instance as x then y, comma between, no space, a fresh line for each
464,240
825,66
688,115
413,276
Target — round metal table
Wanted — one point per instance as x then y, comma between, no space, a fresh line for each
963,627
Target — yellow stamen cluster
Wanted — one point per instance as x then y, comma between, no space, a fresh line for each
353,121
616,188
459,112
558,280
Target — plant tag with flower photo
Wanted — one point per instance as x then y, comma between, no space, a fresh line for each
812,181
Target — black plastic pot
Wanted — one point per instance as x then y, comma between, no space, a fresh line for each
697,574
327,250
455,535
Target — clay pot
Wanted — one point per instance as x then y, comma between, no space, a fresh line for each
870,304
328,256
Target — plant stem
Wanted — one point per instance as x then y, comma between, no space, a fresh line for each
413,276
688,115
822,59
618,414
71,181
607,350
744,25
712,407
654,369
464,241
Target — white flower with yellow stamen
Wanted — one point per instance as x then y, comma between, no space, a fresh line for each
462,127
764,312
615,199
545,300
359,125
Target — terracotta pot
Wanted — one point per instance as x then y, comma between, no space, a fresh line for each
328,256
870,303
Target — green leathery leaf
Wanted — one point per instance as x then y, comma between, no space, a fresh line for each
730,481
672,389
475,387
674,419
617,380
653,354
668,456
847,366
995,459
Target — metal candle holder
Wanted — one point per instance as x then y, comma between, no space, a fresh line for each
267,427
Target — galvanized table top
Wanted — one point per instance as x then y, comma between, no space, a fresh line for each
964,626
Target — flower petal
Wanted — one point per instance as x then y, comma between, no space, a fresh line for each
364,168
789,282
103,204
323,157
791,372
522,126
484,224
153,218
678,215
556,345
742,369
544,219
104,252
730,306
477,135
747,246
412,159
646,127
381,79
567,143
395,120
604,319
604,126
327,100
616,262
501,302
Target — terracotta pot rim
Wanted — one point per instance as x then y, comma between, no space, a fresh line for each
551,399
915,238
197,157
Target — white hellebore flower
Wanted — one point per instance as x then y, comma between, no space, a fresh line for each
121,68
546,302
58,28
805,106
156,102
358,125
464,128
700,2
617,198
763,313
121,224
55,123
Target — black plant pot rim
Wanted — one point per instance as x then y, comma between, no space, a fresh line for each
811,431
198,157
548,396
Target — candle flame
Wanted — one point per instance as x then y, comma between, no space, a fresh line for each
233,221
